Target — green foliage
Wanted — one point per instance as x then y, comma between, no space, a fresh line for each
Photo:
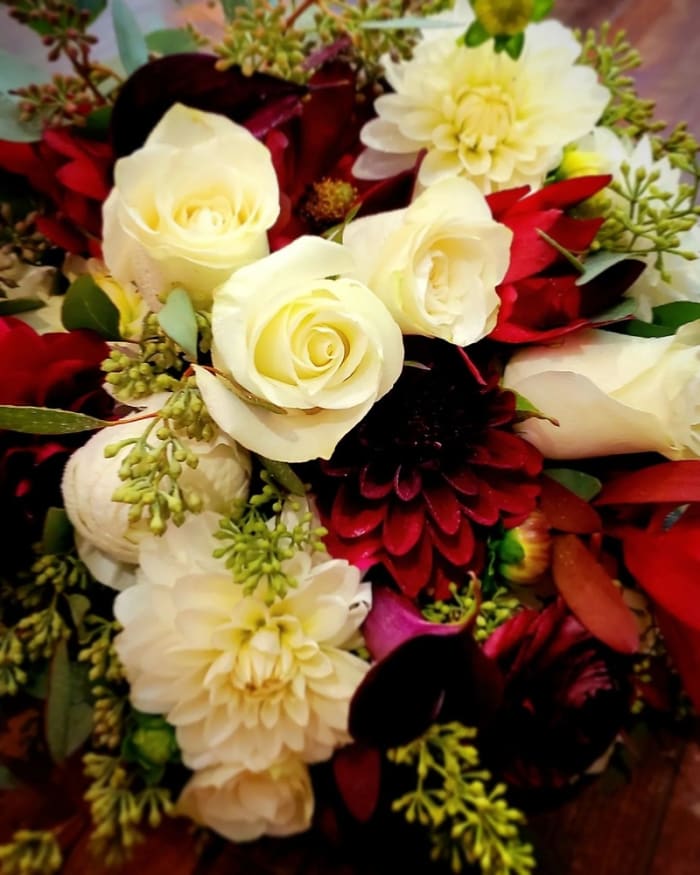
179,321
469,819
46,420
666,319
31,852
85,305
108,684
259,541
150,742
133,51
584,485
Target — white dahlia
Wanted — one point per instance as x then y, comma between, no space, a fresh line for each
480,114
243,805
243,681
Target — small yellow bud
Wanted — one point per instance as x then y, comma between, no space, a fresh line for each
524,552
504,17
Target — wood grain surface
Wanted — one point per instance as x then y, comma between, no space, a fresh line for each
648,825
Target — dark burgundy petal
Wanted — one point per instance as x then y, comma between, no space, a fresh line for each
192,79
458,548
357,770
351,517
403,526
444,507
376,482
407,482
412,571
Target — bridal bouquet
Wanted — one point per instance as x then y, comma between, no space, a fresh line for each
350,410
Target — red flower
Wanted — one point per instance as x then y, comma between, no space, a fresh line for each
539,296
73,174
50,370
564,701
431,461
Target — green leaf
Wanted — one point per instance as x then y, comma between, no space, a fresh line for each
284,474
7,779
624,308
476,34
598,263
409,22
12,306
85,305
171,41
639,328
584,485
58,704
98,120
178,320
79,726
11,128
79,606
133,51
18,72
46,420
676,313
541,8
525,409
512,45
57,534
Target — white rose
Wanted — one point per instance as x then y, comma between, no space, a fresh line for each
611,393
437,263
242,805
322,351
189,207
107,542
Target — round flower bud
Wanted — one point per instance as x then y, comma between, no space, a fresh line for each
525,551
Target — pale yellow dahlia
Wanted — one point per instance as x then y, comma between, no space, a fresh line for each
244,682
480,114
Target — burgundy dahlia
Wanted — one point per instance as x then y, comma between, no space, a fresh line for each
431,463
565,698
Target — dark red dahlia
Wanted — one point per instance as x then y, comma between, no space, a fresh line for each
565,698
50,370
433,461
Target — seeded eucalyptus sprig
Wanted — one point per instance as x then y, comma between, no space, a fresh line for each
469,819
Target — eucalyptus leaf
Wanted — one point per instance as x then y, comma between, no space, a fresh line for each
79,606
624,308
12,306
171,41
639,328
177,319
58,704
584,485
57,534
284,474
46,420
11,128
133,51
599,262
409,22
85,305
80,719
18,72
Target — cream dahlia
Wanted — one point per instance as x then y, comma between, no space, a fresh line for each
480,114
243,681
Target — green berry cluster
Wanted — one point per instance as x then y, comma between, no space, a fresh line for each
31,852
108,684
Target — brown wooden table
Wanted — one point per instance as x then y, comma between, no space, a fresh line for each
649,825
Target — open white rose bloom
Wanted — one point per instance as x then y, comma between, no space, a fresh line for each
610,393
189,207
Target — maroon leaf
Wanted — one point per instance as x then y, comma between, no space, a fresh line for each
591,595
358,771
567,512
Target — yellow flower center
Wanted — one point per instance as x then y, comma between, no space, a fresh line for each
207,215
484,117
504,17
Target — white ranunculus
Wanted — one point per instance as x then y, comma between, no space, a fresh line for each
437,263
189,207
320,350
611,393
107,542
682,283
242,805
244,681
480,114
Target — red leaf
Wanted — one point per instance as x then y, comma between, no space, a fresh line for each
668,482
666,564
357,771
565,511
684,646
592,596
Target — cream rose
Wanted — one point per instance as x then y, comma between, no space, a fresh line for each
613,394
189,207
437,263
318,352
107,541
242,805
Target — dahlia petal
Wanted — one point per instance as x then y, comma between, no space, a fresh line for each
457,548
403,526
463,480
412,571
374,482
484,509
444,507
407,482
351,518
